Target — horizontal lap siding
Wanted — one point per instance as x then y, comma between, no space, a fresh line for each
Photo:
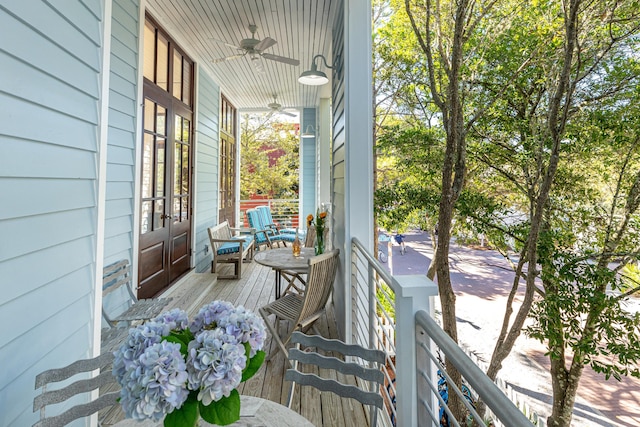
121,150
309,163
50,62
207,142
338,164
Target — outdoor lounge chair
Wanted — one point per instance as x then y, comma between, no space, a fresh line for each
264,236
369,371
229,248
267,217
303,310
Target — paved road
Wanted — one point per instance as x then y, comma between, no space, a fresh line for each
482,280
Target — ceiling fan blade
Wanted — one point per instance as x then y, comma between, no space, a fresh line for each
288,113
225,43
283,59
227,58
266,43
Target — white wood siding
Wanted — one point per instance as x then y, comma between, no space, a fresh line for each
338,195
50,66
207,170
308,165
121,140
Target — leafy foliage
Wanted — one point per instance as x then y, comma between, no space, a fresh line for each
270,158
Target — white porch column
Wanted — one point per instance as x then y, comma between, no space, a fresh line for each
358,136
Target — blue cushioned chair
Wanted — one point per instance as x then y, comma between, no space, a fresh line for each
264,236
288,234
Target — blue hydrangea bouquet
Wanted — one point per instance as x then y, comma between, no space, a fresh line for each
178,370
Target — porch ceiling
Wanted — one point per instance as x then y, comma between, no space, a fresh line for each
302,29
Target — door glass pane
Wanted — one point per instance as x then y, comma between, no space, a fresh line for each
176,209
149,53
160,161
177,170
185,130
147,161
178,128
177,75
149,112
162,66
161,120
145,221
185,170
185,209
158,214
186,83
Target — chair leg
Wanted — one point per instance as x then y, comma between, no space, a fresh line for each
238,267
213,266
274,334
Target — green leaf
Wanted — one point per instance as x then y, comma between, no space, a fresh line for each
186,416
223,412
177,340
254,364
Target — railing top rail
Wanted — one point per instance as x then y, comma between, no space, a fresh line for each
489,392
384,274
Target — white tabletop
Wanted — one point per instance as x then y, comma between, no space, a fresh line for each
254,412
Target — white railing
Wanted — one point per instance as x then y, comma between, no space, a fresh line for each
395,315
285,212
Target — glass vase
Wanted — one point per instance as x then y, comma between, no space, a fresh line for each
319,241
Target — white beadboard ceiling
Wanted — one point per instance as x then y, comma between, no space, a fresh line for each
302,29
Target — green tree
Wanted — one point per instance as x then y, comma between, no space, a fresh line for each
524,88
270,159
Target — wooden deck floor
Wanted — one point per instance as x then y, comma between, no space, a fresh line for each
253,290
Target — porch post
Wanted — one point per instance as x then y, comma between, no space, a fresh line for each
415,293
359,136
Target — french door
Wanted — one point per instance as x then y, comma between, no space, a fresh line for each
167,152
228,159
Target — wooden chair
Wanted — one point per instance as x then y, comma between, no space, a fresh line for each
368,371
230,249
114,277
86,385
303,310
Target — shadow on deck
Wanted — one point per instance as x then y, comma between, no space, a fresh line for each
253,290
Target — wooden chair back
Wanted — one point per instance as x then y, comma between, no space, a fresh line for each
320,277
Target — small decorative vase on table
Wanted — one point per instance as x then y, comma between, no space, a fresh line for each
320,224
181,371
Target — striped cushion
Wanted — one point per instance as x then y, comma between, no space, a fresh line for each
230,247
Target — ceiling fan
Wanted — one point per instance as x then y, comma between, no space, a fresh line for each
255,49
276,107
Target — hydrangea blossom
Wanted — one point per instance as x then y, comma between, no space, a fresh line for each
138,340
246,327
209,315
155,385
215,362
157,375
176,319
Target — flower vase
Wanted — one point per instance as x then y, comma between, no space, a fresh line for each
319,241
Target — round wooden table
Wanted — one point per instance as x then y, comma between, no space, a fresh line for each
283,259
254,412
